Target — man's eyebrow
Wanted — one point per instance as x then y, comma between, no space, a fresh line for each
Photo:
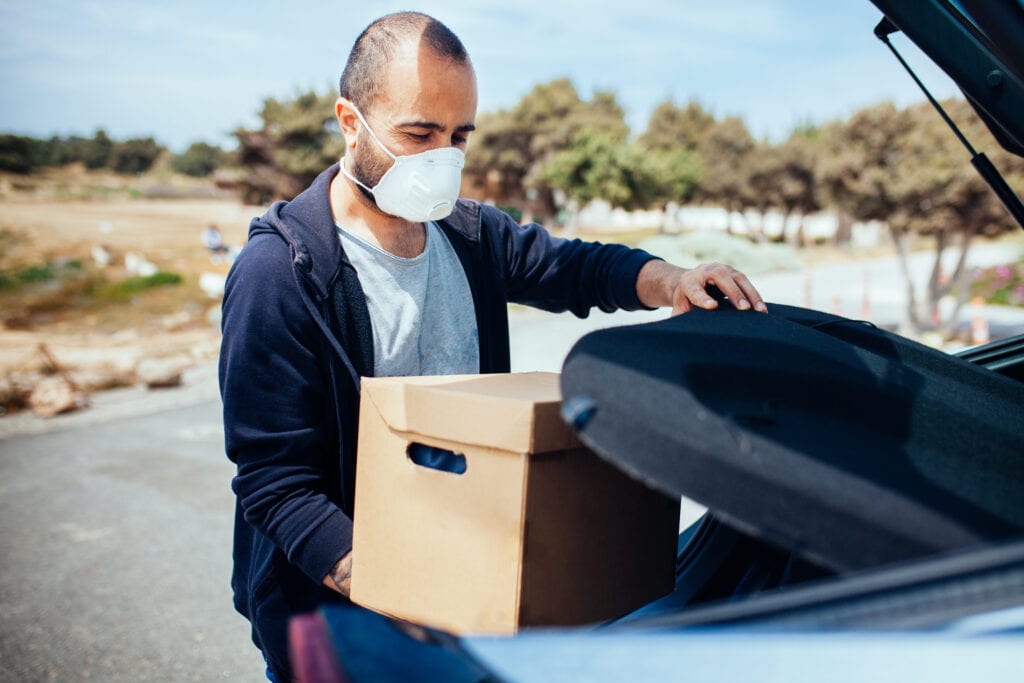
431,125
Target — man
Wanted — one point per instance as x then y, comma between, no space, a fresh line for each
214,241
378,269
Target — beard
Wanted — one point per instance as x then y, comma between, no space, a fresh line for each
368,165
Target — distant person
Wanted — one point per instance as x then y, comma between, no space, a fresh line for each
379,268
214,241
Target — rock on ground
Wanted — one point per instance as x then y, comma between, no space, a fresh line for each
55,395
159,373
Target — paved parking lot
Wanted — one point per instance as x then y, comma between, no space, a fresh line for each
116,553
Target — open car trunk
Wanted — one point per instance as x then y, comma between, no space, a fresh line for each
850,445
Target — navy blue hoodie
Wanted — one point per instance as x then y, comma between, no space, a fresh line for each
296,340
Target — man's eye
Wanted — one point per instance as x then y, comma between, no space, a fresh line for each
459,139
422,137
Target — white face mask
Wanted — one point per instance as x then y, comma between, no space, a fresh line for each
417,187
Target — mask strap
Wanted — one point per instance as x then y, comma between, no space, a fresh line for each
370,131
351,177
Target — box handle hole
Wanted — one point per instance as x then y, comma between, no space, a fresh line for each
436,458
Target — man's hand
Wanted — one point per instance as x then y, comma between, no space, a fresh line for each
662,284
340,578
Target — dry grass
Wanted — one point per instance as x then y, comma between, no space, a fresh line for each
85,314
166,231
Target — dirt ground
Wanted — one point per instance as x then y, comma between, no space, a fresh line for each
164,231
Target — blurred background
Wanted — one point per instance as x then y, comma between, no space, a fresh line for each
137,140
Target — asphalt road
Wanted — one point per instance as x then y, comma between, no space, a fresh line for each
115,560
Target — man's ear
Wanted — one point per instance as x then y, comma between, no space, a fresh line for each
348,121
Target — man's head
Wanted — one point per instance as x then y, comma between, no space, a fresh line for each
379,43
414,84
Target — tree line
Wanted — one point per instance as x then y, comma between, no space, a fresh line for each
554,151
133,156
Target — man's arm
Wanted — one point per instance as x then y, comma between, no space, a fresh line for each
275,396
662,284
556,274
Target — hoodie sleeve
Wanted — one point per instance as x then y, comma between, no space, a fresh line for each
275,411
557,274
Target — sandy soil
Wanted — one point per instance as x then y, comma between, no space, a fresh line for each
166,232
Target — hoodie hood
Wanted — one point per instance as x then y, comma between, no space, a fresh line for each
307,224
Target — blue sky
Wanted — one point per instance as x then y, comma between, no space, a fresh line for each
190,70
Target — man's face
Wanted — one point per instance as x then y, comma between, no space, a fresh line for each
427,101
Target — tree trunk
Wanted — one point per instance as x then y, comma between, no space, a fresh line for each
959,279
963,293
801,236
750,231
932,296
783,234
935,279
760,236
573,226
844,229
911,324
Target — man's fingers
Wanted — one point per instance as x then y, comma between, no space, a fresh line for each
748,294
699,296
725,279
691,292
753,296
737,287
690,295
680,303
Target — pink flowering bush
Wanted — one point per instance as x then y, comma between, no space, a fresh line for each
1000,284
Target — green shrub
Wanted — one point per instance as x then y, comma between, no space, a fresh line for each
16,154
134,156
34,274
131,286
199,160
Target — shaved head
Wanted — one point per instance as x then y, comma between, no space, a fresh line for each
363,77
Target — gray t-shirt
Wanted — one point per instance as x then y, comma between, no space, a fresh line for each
421,308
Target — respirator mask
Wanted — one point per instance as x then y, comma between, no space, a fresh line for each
418,187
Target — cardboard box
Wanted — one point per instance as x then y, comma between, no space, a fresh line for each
536,531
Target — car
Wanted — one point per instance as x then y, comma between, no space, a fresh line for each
865,493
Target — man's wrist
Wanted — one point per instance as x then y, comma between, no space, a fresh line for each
340,576
656,283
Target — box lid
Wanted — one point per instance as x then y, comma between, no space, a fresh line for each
517,412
